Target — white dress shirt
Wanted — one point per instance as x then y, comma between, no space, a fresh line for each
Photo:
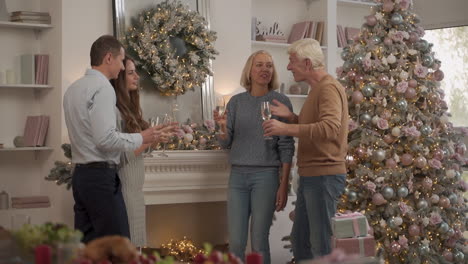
91,117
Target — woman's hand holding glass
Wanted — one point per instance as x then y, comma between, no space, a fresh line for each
221,121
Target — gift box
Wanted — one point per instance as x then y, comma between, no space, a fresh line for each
363,246
349,225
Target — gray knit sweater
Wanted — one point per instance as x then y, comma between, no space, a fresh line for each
245,133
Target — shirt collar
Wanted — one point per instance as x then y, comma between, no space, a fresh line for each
96,73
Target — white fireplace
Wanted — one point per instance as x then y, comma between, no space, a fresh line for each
190,176
185,195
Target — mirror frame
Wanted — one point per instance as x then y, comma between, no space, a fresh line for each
203,7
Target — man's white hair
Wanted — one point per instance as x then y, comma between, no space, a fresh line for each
308,49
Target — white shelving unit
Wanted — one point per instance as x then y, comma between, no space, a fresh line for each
26,86
26,149
7,24
355,3
12,33
296,95
273,44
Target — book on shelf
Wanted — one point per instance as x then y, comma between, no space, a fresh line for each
298,31
30,199
35,131
27,69
253,29
30,17
29,13
30,205
341,37
272,38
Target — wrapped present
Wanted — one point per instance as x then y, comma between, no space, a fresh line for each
349,225
363,246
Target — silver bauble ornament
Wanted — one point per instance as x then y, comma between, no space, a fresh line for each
344,54
453,198
422,45
426,130
375,40
352,196
450,232
401,105
443,228
347,66
365,118
378,155
388,192
391,223
424,249
402,192
367,91
358,58
459,256
396,19
422,204
427,60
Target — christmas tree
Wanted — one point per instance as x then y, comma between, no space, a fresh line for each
404,158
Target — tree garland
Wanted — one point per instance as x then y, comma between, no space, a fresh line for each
173,46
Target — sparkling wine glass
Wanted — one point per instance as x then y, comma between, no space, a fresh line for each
166,121
220,108
153,121
266,114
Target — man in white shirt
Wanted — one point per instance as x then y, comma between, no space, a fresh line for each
91,117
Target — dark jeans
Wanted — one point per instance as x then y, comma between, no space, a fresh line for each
99,205
316,203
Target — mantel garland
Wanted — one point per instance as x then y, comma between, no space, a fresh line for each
173,46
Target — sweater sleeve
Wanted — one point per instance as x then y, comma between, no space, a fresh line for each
330,112
226,143
286,143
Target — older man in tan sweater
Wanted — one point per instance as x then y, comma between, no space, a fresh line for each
322,129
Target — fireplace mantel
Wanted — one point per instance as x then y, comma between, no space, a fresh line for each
190,176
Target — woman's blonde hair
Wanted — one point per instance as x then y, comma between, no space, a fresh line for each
308,49
245,80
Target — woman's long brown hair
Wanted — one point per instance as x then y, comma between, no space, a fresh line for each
128,103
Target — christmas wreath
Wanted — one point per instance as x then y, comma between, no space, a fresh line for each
173,46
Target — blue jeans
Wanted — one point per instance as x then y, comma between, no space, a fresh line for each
251,195
316,202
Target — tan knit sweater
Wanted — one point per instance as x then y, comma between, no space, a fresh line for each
323,130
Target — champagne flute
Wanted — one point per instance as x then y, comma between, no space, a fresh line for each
166,121
220,108
266,114
153,121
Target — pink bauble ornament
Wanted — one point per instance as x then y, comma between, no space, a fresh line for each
202,141
444,202
427,183
414,230
414,37
388,139
438,75
359,78
435,199
387,6
395,247
357,97
371,20
390,163
448,255
351,75
410,93
406,159
388,41
461,149
383,80
418,123
434,97
360,152
420,162
413,83
378,199
438,154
